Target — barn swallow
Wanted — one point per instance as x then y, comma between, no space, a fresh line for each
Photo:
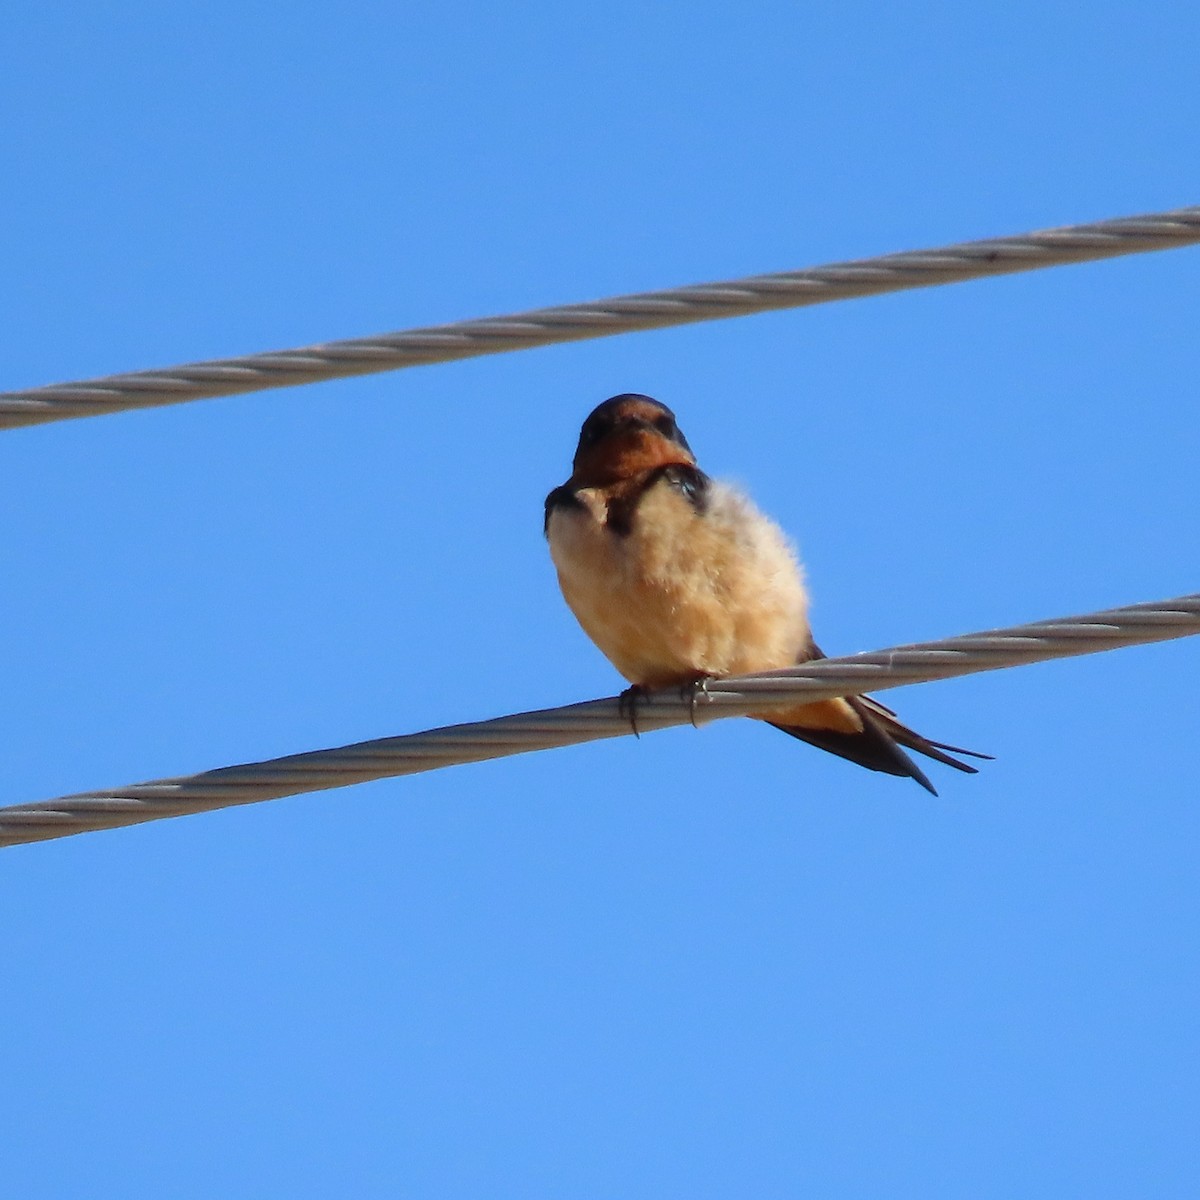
678,578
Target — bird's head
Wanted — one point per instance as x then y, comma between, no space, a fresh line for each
626,435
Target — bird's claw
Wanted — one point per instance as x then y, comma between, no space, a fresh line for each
691,692
627,703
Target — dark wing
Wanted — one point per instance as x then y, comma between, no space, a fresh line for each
561,497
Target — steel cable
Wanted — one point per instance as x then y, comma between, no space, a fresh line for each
591,720
601,318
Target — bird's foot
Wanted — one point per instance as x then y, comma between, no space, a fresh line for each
627,703
691,692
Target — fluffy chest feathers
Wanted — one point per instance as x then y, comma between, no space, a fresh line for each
671,589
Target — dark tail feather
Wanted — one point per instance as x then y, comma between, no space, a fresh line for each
914,741
878,746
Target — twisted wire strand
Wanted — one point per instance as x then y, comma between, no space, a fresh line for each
601,318
591,720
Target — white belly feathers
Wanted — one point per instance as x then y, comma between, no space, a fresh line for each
683,594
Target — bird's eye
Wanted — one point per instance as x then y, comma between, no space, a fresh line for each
593,432
666,426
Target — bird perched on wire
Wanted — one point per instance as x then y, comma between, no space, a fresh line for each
677,578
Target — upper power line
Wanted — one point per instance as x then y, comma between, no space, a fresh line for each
601,318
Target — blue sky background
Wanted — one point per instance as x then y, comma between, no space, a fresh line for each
699,964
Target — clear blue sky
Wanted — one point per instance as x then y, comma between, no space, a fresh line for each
700,964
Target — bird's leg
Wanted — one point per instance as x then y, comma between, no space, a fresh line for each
627,703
